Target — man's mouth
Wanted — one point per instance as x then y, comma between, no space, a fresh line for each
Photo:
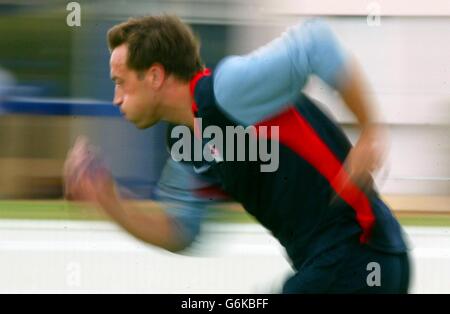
124,115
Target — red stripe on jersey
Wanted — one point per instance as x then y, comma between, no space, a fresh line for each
212,193
297,134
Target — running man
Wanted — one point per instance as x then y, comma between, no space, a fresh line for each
319,203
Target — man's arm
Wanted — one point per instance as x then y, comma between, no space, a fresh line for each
254,87
173,226
155,227
368,153
259,85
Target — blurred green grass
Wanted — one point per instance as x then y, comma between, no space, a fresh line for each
58,210
63,210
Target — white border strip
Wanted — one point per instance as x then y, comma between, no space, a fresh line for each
360,8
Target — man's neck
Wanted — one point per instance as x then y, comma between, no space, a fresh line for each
177,103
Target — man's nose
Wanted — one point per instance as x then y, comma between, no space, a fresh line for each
118,98
117,101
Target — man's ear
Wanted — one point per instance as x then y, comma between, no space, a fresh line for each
156,75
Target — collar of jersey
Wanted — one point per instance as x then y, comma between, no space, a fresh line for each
193,84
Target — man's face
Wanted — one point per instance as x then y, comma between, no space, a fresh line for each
134,93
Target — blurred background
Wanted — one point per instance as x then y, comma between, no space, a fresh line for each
55,85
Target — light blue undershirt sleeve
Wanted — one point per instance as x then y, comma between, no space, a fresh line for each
176,188
253,87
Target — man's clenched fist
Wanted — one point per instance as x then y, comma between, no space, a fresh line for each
86,176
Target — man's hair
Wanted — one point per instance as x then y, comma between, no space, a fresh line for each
158,39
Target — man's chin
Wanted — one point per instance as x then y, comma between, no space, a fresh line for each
141,125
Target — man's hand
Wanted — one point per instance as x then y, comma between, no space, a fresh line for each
363,160
367,156
86,176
